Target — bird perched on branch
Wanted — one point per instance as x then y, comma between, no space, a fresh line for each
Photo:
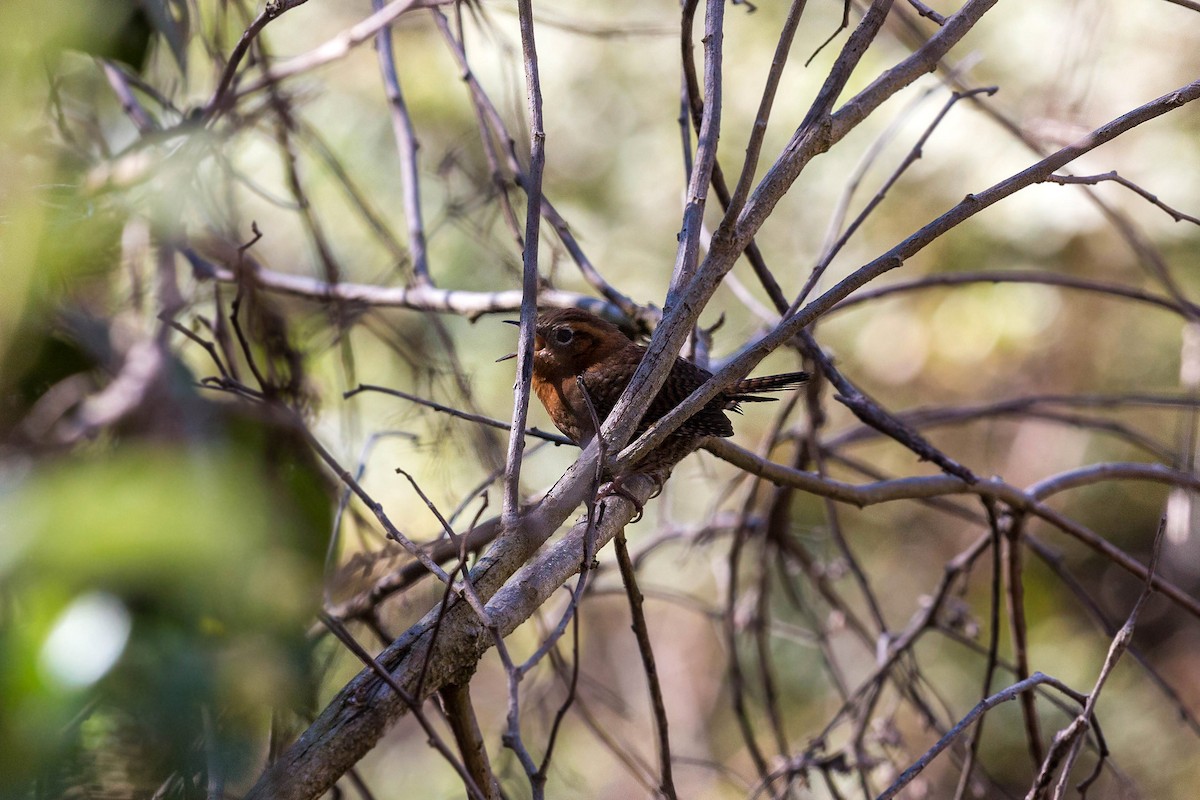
571,343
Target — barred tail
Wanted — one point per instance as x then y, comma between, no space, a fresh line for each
743,391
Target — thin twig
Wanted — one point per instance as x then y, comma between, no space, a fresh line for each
739,367
1018,629
336,48
529,273
347,639
1092,180
454,412
1065,748
406,146
646,649
1003,696
993,646
688,252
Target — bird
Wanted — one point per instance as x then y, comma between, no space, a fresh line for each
571,343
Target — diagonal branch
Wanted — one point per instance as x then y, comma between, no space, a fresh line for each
972,204
353,722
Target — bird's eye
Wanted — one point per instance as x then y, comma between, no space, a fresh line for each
564,335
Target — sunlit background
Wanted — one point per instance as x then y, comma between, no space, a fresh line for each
159,575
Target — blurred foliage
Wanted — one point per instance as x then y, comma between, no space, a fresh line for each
177,552
206,558
155,582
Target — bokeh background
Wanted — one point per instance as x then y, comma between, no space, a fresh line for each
161,564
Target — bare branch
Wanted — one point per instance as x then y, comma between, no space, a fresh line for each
969,207
1092,180
529,279
646,649
1003,696
355,720
465,303
336,48
406,145
1067,741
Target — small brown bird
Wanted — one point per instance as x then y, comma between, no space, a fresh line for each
570,343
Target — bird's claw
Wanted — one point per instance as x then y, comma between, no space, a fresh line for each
616,488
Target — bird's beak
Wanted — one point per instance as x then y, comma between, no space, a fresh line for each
538,341
510,355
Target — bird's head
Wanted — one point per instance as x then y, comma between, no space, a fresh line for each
568,341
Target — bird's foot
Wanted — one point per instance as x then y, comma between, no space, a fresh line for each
616,487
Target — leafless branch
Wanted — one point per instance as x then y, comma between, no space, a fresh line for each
1092,180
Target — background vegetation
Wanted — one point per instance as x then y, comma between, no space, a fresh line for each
220,222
